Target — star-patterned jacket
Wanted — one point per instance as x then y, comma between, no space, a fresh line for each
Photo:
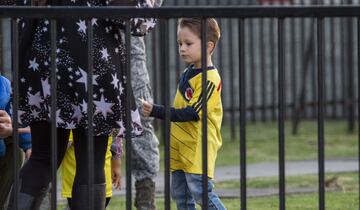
109,78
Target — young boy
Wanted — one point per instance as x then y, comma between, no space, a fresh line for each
186,114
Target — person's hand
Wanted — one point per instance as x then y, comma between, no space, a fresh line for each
116,173
5,124
28,154
24,130
146,107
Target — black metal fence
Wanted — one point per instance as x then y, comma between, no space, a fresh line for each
261,63
240,16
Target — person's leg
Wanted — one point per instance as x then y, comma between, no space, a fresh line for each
194,182
180,192
145,152
6,172
36,173
80,186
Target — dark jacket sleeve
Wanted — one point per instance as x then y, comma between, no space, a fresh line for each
176,115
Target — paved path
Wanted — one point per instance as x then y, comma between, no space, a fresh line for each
264,170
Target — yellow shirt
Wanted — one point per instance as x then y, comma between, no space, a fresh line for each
186,137
68,169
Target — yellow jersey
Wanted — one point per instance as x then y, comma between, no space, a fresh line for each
68,169
186,137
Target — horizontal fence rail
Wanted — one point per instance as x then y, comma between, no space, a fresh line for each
177,12
242,13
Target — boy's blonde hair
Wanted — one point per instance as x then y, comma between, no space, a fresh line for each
194,24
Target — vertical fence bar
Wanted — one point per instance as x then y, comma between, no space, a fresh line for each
333,70
53,86
333,67
242,113
177,58
343,68
15,123
154,70
281,120
293,66
262,71
350,81
90,140
164,46
321,88
252,72
231,83
128,115
358,80
273,66
204,114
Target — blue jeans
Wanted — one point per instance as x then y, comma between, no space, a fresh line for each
186,189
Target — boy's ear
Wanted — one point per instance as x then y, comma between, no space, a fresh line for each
210,47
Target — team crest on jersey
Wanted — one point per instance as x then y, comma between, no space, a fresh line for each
189,93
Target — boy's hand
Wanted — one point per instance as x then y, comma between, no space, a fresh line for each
116,173
5,124
146,107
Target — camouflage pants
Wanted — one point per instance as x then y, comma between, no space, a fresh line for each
145,151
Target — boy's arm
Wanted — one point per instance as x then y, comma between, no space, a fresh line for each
176,115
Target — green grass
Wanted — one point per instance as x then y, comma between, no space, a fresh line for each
345,181
262,143
334,201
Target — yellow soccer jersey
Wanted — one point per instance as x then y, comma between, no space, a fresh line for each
68,169
186,137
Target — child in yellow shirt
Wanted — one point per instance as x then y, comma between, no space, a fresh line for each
112,168
186,114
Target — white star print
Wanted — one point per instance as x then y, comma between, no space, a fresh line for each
104,54
35,100
115,81
35,113
135,116
23,80
121,89
73,1
33,65
58,119
70,125
94,22
82,26
46,87
19,116
103,107
149,24
83,78
84,106
77,112
122,128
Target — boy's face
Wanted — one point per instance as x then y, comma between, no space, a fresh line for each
189,46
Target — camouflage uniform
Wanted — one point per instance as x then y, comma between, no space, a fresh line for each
145,151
